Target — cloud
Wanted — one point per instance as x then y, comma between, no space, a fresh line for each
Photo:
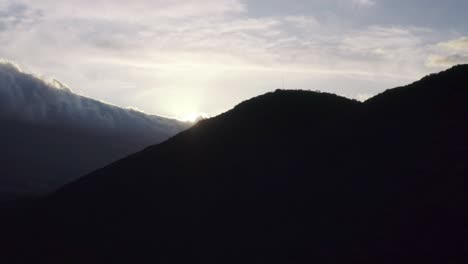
29,98
173,57
13,15
447,61
380,40
137,11
449,53
302,21
460,44
364,3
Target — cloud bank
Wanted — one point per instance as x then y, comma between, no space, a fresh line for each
28,98
178,57
450,53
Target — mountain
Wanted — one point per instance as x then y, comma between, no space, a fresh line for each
286,177
50,136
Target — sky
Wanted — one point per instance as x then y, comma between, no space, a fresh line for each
178,58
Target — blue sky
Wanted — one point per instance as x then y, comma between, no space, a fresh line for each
177,58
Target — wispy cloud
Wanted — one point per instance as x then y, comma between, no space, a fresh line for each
13,15
172,57
460,44
364,3
449,53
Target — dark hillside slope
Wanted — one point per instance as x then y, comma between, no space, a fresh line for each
39,158
50,136
435,96
421,127
287,177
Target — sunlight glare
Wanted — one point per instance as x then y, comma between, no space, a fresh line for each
194,117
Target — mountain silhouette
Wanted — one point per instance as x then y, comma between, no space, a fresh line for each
286,177
51,136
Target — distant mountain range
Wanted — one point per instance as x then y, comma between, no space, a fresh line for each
50,136
286,177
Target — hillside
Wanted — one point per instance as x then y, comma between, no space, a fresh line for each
51,136
286,177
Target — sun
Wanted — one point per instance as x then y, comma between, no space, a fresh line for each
194,117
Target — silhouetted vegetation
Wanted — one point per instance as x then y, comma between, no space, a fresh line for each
286,177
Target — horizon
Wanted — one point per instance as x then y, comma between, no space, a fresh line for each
194,116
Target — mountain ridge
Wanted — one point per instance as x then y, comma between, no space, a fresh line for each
53,136
28,98
288,177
